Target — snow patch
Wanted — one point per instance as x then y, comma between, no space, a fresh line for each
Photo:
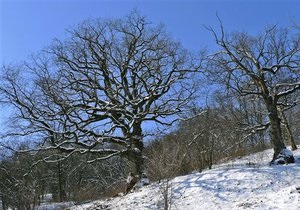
286,152
233,185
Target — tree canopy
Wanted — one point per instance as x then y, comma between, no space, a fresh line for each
93,91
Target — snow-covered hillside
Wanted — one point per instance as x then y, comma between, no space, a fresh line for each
246,183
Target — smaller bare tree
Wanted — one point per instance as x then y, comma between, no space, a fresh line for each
265,66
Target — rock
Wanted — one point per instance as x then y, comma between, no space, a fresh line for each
284,157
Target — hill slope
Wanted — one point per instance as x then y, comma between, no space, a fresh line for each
245,183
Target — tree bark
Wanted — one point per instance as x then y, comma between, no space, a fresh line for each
288,129
61,183
137,148
275,122
275,131
138,160
3,202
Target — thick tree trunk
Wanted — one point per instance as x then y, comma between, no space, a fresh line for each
61,183
281,154
275,132
275,124
289,131
138,159
135,156
137,150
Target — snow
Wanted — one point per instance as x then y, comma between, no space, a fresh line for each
286,152
245,183
48,205
54,206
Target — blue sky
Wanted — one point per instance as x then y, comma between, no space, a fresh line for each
26,26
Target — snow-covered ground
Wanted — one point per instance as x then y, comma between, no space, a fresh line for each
245,183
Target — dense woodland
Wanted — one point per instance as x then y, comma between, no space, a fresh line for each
82,108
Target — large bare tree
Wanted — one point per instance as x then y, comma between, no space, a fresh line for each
265,66
96,90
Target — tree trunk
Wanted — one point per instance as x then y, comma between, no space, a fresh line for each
135,156
281,154
138,159
275,131
137,148
288,129
3,200
61,183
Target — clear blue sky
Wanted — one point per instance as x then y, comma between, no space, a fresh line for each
26,26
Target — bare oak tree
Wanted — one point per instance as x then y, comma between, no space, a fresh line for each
265,66
95,91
